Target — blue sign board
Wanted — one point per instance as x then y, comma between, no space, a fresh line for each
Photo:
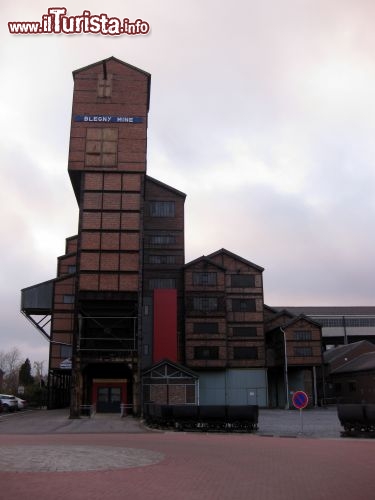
300,400
107,119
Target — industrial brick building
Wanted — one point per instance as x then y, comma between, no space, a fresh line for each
128,321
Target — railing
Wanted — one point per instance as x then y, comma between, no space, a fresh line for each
88,410
124,409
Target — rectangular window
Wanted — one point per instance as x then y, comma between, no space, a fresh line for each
204,278
205,303
162,239
72,269
245,353
303,351
206,328
244,331
101,147
302,335
162,283
243,281
243,305
206,352
352,386
162,259
66,351
162,208
68,299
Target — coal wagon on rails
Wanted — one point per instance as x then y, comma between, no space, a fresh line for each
205,418
357,419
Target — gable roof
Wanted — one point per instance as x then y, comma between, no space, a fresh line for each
111,58
176,366
203,258
363,362
337,352
293,319
114,59
236,257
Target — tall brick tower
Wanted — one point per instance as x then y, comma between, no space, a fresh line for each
107,167
108,317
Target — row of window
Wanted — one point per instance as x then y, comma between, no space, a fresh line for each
203,304
237,280
212,328
203,352
212,304
212,352
349,322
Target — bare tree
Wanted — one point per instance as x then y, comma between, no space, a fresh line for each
10,363
38,368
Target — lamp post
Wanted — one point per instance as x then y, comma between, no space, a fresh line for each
286,371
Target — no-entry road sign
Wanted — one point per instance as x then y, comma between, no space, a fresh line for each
300,400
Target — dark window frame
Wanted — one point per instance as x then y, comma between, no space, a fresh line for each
303,352
244,305
302,335
161,283
162,208
206,352
162,259
245,352
244,331
206,328
241,281
204,278
205,304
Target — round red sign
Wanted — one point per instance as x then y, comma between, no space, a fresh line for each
300,400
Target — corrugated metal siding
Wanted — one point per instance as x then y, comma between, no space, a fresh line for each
38,297
234,387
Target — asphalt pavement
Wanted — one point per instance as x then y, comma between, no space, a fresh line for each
44,455
312,423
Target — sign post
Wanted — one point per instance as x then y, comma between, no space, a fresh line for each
300,400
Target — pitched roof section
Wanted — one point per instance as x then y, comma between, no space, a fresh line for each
118,61
176,366
237,257
343,350
330,310
114,59
364,362
166,186
203,258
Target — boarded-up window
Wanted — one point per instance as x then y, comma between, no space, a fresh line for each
101,147
105,85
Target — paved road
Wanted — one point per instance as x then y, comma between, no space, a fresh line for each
46,456
314,423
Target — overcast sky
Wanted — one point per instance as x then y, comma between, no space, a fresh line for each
262,112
